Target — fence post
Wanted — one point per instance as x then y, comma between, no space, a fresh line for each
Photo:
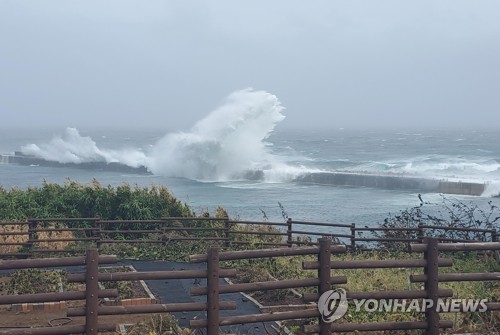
213,291
96,233
353,236
494,238
289,228
227,233
431,270
91,291
32,235
324,276
420,233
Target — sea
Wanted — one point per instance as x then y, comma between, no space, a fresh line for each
244,158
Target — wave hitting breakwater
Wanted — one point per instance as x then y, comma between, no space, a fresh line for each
232,144
389,182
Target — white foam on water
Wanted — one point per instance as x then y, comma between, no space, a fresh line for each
492,189
225,144
71,147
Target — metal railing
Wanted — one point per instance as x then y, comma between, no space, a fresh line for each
37,236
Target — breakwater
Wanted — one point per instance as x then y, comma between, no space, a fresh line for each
354,179
392,182
21,159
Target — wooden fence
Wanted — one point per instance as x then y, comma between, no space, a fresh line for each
324,281
38,236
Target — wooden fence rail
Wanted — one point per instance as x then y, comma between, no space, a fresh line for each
324,282
94,232
326,279
91,294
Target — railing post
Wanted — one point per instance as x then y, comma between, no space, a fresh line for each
289,228
213,291
432,285
91,291
32,235
227,233
96,233
494,238
324,275
420,233
353,236
164,232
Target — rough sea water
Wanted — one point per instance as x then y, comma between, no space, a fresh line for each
242,157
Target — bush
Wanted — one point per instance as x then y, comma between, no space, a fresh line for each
450,213
90,200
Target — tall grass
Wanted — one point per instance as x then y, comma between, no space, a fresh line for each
73,199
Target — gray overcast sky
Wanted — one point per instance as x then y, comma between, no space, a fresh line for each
166,64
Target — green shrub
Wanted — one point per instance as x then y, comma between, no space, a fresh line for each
73,199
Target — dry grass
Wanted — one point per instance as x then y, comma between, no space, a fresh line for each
12,238
9,235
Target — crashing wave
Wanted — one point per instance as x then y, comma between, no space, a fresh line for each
228,144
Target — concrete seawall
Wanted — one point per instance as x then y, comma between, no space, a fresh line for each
391,182
453,187
30,160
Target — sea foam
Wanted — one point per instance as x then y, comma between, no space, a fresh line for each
224,145
71,147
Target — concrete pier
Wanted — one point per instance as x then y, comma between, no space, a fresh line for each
392,182
20,159
453,187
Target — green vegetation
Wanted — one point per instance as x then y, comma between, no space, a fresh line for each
125,290
90,200
30,281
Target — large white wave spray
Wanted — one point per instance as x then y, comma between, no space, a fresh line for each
225,144
228,144
71,147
